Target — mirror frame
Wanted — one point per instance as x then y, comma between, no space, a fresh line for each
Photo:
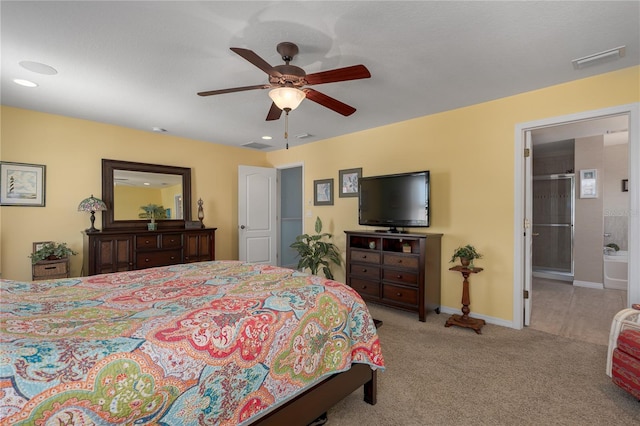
108,222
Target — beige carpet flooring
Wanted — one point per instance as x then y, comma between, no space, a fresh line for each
574,312
452,376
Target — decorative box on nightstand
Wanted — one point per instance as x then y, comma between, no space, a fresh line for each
50,269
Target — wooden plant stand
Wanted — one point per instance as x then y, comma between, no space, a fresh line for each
465,320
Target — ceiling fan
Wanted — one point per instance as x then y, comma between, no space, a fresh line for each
288,82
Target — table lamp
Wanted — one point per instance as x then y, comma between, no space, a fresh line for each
92,205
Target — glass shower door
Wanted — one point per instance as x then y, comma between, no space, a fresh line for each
553,206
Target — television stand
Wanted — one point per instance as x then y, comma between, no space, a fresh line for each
401,270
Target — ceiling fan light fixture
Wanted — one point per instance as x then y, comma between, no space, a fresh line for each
287,97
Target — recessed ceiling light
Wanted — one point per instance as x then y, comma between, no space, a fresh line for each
158,129
37,67
25,83
303,135
146,183
267,138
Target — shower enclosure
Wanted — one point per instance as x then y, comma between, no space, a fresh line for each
553,216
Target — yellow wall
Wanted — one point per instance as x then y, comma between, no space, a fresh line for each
72,150
469,152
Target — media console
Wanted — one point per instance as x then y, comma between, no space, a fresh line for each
397,270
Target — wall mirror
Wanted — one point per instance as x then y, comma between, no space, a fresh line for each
126,186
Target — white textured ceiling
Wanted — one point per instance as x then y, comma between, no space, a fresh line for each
140,64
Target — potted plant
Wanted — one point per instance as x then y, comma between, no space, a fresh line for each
315,252
466,254
51,251
153,212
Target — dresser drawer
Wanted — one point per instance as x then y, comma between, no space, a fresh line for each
171,240
158,258
400,276
365,271
365,256
364,287
147,241
406,296
400,261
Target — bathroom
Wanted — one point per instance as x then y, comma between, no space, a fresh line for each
580,207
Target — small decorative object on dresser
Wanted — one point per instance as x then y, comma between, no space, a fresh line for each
50,260
92,205
153,212
200,212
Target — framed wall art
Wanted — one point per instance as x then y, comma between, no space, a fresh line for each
323,192
349,182
22,184
589,183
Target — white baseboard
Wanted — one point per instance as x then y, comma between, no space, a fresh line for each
587,284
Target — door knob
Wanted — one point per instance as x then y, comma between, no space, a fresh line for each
242,226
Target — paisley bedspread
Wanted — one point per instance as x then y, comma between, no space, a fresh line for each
214,343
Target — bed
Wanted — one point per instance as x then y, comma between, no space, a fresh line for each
222,342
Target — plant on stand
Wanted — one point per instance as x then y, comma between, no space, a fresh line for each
466,254
51,251
315,252
153,212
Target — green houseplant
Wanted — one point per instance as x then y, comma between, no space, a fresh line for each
51,251
153,212
466,254
315,252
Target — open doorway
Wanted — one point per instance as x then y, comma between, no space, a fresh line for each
523,207
570,296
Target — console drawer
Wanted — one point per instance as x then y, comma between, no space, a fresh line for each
365,287
158,258
365,271
147,241
406,296
399,260
171,240
365,256
400,276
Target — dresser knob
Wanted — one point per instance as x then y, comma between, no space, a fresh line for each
364,269
398,294
364,256
364,287
146,260
173,257
399,276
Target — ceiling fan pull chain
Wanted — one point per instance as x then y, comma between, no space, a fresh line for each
286,127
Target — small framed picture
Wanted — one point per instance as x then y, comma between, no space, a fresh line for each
22,184
589,183
349,182
37,246
323,192
625,185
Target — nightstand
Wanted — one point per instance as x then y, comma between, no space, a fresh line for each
50,269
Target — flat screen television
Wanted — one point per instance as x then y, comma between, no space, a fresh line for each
394,201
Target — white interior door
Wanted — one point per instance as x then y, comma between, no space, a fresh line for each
257,219
528,226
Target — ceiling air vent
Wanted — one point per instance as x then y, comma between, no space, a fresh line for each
597,58
256,145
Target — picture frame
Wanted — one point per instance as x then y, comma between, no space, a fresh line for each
22,184
323,192
589,183
625,185
38,245
348,180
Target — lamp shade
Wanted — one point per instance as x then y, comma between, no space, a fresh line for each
92,204
287,98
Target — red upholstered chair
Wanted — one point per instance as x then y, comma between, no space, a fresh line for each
623,357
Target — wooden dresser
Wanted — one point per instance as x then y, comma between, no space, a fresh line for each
398,270
120,250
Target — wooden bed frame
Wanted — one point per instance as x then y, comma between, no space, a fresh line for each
311,404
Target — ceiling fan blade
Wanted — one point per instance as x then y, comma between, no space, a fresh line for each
354,72
234,89
274,112
256,60
329,102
